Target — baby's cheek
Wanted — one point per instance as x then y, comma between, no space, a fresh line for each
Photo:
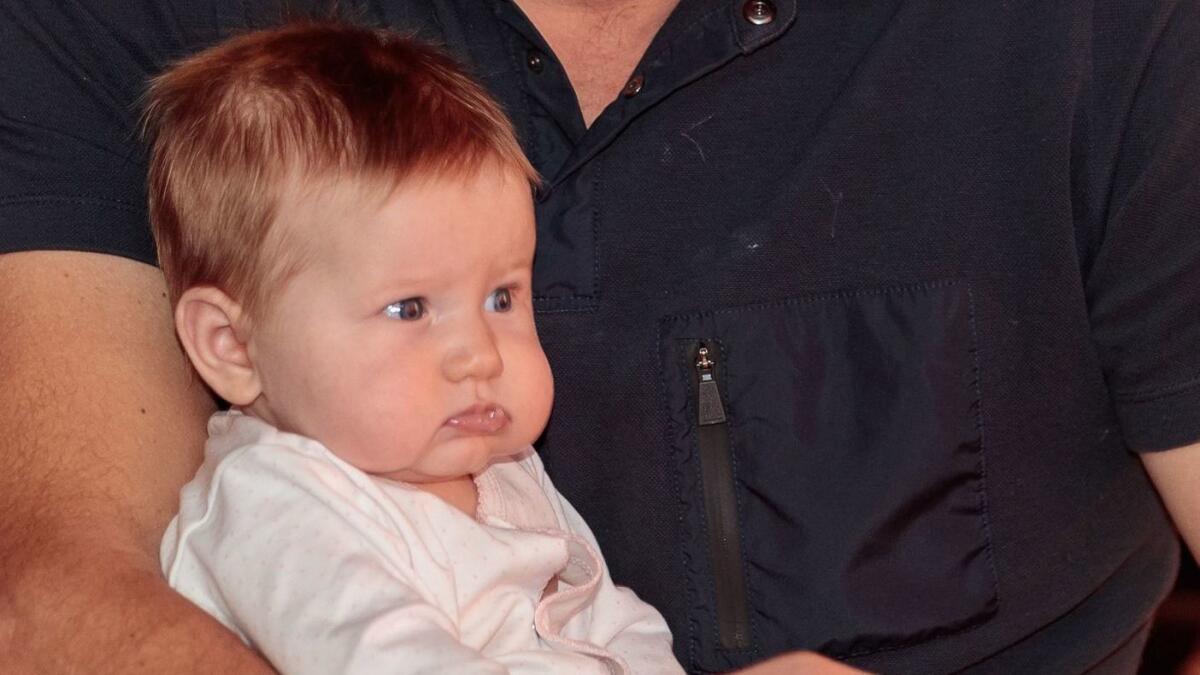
539,393
528,384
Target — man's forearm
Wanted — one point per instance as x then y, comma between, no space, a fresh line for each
101,425
87,608
1176,474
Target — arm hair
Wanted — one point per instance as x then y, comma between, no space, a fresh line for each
102,423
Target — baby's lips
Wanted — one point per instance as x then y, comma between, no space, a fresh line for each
479,420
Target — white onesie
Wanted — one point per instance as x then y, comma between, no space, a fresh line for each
326,569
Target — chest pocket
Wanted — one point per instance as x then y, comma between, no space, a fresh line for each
832,471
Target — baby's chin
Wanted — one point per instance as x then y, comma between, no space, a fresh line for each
462,462
514,455
508,452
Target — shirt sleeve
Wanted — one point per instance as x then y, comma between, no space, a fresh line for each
71,167
72,163
618,620
1143,283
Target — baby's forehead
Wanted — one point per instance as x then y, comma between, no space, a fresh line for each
426,220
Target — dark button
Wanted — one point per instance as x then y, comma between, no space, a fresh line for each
759,12
633,86
535,60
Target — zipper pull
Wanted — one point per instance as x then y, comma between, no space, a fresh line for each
711,410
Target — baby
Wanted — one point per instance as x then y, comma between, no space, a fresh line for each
346,227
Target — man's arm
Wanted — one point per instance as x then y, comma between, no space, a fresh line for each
1176,474
102,423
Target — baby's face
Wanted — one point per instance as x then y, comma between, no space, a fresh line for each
407,344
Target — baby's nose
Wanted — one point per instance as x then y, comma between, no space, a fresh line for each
474,355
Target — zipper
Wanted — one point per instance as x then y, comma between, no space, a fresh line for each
720,500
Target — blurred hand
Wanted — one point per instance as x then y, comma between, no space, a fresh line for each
795,663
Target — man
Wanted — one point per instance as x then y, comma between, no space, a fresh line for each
857,311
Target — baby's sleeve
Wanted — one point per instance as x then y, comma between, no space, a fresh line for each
310,576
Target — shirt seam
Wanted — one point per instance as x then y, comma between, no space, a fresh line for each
1157,393
17,199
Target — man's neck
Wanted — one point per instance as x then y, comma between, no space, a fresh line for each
599,42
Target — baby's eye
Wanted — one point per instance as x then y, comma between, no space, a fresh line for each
405,310
500,300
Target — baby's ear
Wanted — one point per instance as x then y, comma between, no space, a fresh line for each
209,326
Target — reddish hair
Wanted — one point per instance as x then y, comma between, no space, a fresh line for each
231,125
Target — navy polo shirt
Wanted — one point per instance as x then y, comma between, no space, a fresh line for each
858,311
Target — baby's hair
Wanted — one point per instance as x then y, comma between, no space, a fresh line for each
231,126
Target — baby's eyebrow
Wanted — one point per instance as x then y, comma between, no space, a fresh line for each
516,263
390,284
517,258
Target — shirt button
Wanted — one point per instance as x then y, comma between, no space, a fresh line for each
535,60
633,86
759,12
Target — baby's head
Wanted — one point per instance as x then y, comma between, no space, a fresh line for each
345,223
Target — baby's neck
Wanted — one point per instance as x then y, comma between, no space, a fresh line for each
460,493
